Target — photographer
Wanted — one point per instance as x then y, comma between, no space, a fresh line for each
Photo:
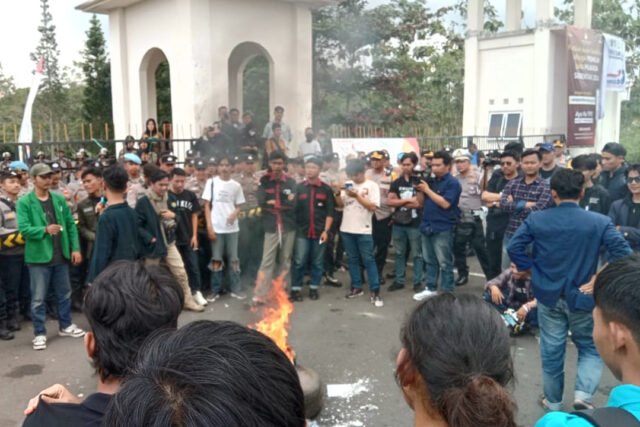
497,219
440,214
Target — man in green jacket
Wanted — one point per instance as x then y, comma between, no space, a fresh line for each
51,241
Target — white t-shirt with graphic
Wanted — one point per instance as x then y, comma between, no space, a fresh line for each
226,196
356,218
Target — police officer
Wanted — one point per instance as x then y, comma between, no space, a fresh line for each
333,176
196,184
6,161
469,228
251,230
189,167
168,162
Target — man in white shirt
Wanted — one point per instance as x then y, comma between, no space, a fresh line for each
278,113
360,198
223,197
311,146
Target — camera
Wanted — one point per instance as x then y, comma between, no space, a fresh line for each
492,159
421,175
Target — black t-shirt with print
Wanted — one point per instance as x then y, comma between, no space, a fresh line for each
184,205
50,214
404,190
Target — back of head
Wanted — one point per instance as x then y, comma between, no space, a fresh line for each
458,347
617,294
124,305
567,184
584,162
355,167
115,178
210,373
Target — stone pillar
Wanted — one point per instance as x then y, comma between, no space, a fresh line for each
119,73
514,15
544,11
475,15
582,12
475,24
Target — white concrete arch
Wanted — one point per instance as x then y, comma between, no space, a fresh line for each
148,66
240,56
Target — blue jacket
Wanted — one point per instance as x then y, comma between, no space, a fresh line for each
566,247
619,214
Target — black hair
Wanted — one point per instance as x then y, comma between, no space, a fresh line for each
444,155
92,170
115,178
632,167
615,149
226,157
277,155
149,169
411,156
567,183
316,160
177,171
275,126
209,373
513,154
124,305
515,146
617,295
234,110
459,347
158,175
355,167
279,108
146,127
531,152
584,162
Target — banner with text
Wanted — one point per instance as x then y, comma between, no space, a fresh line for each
584,49
351,146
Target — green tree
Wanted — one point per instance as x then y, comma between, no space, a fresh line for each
163,92
51,100
96,99
256,90
7,87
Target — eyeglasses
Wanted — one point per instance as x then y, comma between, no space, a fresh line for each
633,180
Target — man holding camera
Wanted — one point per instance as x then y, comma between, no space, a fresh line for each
440,215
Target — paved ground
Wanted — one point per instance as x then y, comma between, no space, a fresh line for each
347,342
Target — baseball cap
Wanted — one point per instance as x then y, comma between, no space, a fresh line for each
376,155
8,174
6,154
546,146
133,158
168,159
189,162
212,161
18,165
200,164
190,154
461,154
40,169
249,158
558,144
55,166
428,154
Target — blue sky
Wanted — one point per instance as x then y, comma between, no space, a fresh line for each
19,23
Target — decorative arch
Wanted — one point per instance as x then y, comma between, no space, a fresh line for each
148,95
240,56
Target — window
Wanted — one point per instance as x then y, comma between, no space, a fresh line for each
505,125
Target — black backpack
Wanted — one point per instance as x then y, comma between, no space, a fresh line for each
609,417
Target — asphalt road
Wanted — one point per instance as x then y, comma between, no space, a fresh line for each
348,342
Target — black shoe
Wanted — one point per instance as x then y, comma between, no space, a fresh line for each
295,296
418,288
382,280
462,280
5,334
12,323
331,281
390,275
395,287
355,292
313,294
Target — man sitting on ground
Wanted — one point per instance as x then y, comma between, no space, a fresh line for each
616,333
124,305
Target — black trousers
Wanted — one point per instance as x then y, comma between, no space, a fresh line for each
11,277
469,233
191,265
334,251
381,239
494,252
204,259
250,243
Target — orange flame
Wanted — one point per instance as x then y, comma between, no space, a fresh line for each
275,317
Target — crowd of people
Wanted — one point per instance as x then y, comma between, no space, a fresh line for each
245,210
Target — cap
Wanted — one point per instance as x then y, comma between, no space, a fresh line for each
212,161
386,155
168,159
40,169
200,164
104,151
6,154
461,154
249,158
55,166
377,155
312,158
133,158
558,144
8,174
546,146
18,165
190,154
40,154
428,154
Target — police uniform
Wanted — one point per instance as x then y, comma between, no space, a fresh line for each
333,252
251,229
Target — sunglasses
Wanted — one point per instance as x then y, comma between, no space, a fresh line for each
634,179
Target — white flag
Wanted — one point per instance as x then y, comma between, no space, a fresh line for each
26,131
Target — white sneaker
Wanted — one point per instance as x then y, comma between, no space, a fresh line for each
197,296
377,301
39,342
239,295
71,331
424,295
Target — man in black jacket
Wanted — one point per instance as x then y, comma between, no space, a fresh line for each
314,216
625,213
596,197
614,171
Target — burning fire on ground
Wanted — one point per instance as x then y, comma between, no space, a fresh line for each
275,316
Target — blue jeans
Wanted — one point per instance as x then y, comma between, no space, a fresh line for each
437,251
226,244
555,322
359,248
401,235
307,248
43,278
